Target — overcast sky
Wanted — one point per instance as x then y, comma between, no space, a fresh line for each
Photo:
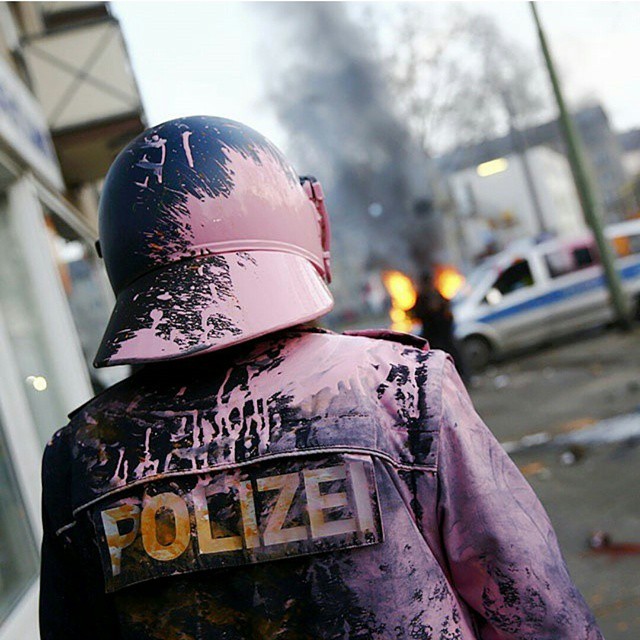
204,58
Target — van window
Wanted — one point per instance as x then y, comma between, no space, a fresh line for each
517,276
569,259
583,257
627,245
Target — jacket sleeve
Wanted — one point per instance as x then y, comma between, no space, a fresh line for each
501,550
73,605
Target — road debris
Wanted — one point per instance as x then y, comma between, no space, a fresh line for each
620,429
600,542
501,381
573,455
536,468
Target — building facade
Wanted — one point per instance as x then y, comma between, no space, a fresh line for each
495,203
630,143
603,154
68,103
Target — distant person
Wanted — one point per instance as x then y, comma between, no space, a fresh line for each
261,478
434,312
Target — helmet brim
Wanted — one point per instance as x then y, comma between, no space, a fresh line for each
210,302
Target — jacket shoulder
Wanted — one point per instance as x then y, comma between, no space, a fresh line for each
56,478
407,339
411,376
57,449
297,394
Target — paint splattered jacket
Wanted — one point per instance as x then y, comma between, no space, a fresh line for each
312,486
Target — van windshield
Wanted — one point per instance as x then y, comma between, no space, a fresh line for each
474,279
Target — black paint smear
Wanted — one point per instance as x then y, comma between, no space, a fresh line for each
145,204
178,317
535,609
500,611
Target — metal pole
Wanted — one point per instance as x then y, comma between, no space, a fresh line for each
521,151
519,145
590,206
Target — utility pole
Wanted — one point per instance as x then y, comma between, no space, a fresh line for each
590,207
519,146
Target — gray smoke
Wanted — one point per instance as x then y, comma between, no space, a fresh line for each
330,94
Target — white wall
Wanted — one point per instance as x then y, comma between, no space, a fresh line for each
505,196
631,163
554,180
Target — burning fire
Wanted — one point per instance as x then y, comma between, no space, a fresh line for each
403,297
448,281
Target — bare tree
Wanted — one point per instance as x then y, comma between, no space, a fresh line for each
331,94
457,77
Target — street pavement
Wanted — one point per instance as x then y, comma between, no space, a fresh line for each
569,415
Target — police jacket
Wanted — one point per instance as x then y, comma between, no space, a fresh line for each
307,486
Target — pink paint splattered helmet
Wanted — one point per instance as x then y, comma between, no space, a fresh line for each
209,239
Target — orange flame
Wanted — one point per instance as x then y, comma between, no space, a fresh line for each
448,281
403,297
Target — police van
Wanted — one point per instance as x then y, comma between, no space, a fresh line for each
537,291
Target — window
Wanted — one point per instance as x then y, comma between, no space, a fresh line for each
583,257
18,557
626,245
25,320
570,259
517,276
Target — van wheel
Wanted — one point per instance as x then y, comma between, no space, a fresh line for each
477,352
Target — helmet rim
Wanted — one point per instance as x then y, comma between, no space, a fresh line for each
210,302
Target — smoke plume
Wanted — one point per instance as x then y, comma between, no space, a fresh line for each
330,94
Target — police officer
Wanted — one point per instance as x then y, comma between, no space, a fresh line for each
261,478
434,312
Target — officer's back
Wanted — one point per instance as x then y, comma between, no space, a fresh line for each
264,496
259,478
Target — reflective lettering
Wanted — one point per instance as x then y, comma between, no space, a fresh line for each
228,511
248,510
318,502
360,486
287,484
115,540
206,540
162,539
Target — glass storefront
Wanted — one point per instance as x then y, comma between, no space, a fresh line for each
55,300
43,270
24,318
86,287
18,557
